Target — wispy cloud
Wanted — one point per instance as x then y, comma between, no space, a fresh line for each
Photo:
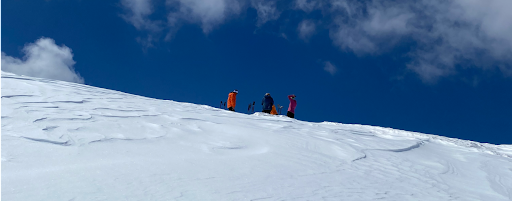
446,33
44,59
308,5
266,10
137,14
330,68
306,29
442,34
207,13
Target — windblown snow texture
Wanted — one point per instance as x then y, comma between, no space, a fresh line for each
66,141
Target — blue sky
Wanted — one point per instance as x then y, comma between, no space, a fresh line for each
437,67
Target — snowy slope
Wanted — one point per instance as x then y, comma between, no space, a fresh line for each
66,141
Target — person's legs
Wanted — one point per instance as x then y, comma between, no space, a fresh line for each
290,114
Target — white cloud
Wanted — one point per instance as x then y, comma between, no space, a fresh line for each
43,59
369,28
446,33
266,10
330,68
306,29
138,12
307,5
207,13
441,34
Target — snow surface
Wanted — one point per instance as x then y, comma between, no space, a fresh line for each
66,141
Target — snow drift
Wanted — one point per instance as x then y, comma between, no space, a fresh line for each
67,141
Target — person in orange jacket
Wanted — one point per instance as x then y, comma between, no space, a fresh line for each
232,100
274,111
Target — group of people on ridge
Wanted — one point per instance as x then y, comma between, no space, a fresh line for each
267,103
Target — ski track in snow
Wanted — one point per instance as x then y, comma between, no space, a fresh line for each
66,141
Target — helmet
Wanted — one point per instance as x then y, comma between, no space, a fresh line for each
267,94
235,91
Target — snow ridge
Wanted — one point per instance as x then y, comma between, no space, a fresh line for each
67,141
500,150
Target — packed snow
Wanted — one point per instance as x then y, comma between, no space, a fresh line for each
67,141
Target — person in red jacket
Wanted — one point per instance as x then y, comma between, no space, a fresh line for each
232,100
291,108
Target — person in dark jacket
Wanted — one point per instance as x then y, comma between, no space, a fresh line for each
267,103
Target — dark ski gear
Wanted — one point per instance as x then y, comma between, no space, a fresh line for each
290,114
267,102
